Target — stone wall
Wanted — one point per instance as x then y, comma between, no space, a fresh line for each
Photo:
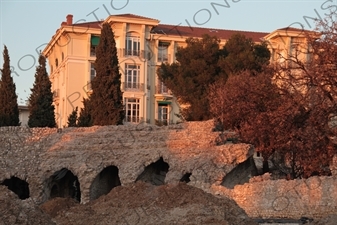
51,159
40,156
315,197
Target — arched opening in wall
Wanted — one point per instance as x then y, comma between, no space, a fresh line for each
103,183
186,177
64,184
18,186
155,173
240,174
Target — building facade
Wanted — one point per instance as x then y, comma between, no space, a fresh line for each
142,44
23,115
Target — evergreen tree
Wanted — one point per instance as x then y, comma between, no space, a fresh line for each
241,53
189,78
202,63
9,110
84,119
72,118
107,98
41,108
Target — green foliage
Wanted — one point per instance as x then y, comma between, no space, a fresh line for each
72,118
85,118
202,63
188,79
241,53
41,108
9,111
107,98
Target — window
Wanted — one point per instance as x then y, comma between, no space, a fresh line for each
56,62
161,88
92,75
51,69
92,71
162,52
132,45
132,110
132,76
62,56
163,113
94,41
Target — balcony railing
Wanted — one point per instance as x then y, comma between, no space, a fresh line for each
162,58
56,94
163,122
129,52
133,119
128,86
162,89
141,54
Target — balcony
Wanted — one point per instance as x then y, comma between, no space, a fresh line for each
128,86
129,52
135,119
141,54
163,90
163,58
163,122
56,94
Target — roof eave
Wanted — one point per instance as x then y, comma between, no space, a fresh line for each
66,29
127,19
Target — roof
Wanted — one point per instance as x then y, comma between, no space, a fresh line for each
186,31
291,29
95,24
129,15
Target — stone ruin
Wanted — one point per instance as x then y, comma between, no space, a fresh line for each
86,163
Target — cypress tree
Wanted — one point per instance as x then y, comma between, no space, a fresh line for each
9,110
72,118
84,119
41,108
107,98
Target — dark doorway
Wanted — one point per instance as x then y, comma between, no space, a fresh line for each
103,183
18,186
64,184
155,173
240,174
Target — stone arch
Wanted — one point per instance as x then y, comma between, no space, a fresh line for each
18,186
63,183
155,173
106,180
240,174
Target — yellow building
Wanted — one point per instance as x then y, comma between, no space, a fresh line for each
143,44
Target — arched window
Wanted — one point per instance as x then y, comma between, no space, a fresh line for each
56,62
62,56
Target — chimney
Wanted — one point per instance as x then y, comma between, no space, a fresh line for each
69,19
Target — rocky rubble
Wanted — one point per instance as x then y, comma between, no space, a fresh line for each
143,203
138,203
16,211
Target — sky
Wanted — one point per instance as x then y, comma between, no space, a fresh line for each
26,26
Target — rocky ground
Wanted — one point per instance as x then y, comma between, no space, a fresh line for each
138,203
